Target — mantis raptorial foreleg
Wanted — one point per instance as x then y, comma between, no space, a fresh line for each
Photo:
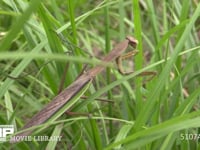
120,59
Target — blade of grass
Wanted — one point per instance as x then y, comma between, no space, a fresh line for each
57,132
55,45
56,57
108,75
5,43
139,58
9,109
121,20
154,22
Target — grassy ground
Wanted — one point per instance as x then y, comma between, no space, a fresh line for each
37,40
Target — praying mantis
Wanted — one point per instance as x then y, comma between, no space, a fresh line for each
74,91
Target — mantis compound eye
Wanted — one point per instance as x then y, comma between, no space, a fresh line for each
132,41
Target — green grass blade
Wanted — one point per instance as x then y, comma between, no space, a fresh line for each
5,43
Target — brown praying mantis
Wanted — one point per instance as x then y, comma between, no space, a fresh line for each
56,107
